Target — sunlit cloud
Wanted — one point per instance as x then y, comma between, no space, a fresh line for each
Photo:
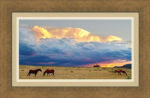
78,34
39,45
113,38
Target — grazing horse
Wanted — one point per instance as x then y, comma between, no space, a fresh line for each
120,71
48,71
34,72
124,72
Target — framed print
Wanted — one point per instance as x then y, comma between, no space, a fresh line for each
75,49
84,59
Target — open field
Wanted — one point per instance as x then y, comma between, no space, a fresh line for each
73,73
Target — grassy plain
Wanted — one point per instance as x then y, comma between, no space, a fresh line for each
73,73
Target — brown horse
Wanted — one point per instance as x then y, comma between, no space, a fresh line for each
48,71
124,72
120,71
34,72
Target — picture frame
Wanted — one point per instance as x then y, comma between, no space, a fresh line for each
16,24
8,7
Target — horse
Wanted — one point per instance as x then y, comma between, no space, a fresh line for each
124,72
34,72
48,71
120,71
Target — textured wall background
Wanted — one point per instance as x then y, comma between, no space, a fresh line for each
9,6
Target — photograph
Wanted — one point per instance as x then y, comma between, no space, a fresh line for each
75,48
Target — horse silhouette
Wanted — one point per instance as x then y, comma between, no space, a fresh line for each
48,71
124,72
34,72
120,71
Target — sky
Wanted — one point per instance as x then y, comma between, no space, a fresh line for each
73,43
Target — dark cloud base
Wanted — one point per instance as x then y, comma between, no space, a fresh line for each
62,54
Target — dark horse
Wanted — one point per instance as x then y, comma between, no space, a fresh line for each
34,72
48,71
120,71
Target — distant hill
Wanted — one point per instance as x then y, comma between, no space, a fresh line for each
124,66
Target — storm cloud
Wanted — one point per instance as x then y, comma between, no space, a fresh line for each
67,51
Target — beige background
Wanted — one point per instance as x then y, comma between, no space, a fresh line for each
8,6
